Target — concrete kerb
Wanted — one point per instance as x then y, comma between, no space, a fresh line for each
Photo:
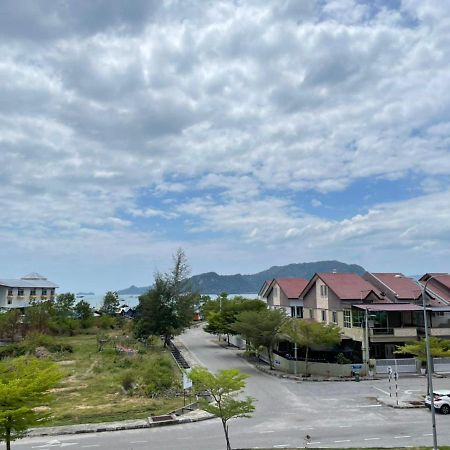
191,416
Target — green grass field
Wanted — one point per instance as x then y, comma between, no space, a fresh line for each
92,390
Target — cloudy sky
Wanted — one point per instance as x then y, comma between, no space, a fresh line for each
250,133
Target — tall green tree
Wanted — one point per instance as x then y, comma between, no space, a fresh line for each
168,307
308,334
221,313
110,303
261,328
24,385
64,304
83,310
223,387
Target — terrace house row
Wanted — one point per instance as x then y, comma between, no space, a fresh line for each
376,312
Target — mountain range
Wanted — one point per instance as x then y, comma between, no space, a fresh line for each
213,283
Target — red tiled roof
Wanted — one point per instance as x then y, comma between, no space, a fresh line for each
404,287
291,286
348,286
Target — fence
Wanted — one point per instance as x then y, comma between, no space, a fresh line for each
403,365
314,368
441,364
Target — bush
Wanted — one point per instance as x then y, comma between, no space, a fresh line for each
342,359
128,381
158,375
106,322
12,350
34,340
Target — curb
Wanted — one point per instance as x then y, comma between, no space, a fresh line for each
275,373
115,426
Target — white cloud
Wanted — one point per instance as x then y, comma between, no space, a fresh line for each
222,113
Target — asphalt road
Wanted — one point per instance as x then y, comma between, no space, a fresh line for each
333,414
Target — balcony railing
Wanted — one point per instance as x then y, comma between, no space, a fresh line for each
382,331
396,332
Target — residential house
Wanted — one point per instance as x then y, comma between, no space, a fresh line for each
19,293
395,286
328,297
438,289
284,293
367,315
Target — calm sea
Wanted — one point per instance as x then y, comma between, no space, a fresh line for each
132,300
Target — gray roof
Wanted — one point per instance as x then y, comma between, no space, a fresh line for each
33,276
32,280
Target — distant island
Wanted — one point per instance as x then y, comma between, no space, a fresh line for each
78,294
213,283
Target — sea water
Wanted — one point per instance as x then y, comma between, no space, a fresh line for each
96,300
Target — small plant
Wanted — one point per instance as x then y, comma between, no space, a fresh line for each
128,381
342,359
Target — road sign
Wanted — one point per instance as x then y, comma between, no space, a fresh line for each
187,382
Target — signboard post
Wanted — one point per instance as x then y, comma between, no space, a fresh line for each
187,384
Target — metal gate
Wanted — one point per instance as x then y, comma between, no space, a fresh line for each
441,364
403,365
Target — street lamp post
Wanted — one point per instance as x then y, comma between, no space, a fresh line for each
429,361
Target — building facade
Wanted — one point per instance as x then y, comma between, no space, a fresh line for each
21,292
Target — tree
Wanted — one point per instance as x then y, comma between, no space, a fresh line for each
38,316
221,313
261,328
10,324
110,303
24,385
83,310
439,348
223,387
168,307
310,333
64,304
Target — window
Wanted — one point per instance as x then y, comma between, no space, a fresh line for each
347,319
324,316
292,311
357,318
300,311
311,314
10,292
33,292
20,292
296,311
44,291
334,315
9,301
323,290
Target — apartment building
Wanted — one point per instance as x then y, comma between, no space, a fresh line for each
19,293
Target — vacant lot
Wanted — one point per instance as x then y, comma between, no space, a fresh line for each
111,385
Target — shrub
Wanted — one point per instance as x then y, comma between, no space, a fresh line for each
158,375
106,322
128,381
12,350
342,359
34,340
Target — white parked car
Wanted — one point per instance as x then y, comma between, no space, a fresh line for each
441,401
